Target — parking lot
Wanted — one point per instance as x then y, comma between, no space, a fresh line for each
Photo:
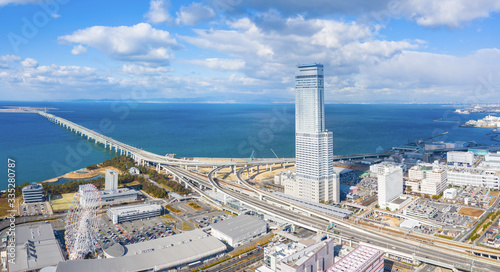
132,232
471,196
208,219
442,213
28,209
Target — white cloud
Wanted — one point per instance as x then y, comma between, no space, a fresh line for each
78,49
158,12
274,52
6,60
220,64
194,14
143,70
138,43
20,2
29,62
451,13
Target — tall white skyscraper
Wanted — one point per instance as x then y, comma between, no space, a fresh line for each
315,179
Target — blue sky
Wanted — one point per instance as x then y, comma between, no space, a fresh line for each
246,51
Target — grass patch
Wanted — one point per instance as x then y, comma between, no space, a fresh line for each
194,206
185,226
230,213
443,236
168,217
4,206
172,209
61,202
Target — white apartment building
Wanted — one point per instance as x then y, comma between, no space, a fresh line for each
460,157
111,180
461,176
315,179
390,184
430,178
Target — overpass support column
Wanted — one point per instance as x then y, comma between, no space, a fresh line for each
261,197
196,167
258,169
234,170
186,167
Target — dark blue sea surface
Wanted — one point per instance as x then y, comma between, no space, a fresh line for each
44,150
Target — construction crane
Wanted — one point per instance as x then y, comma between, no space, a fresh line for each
274,154
251,156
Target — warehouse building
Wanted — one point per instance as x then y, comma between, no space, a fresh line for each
238,230
162,254
134,212
35,248
33,193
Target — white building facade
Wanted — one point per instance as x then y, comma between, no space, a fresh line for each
111,180
134,212
33,193
315,179
474,177
390,184
460,157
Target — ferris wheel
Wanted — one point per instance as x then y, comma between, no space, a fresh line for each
82,222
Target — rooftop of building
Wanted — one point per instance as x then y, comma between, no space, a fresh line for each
157,254
309,65
36,247
356,260
131,209
399,200
239,225
34,186
111,171
301,256
117,192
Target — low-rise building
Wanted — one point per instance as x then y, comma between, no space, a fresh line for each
450,193
33,193
466,157
35,248
160,254
121,195
134,171
238,230
296,257
431,179
361,259
463,176
134,212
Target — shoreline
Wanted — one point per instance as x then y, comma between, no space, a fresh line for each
87,175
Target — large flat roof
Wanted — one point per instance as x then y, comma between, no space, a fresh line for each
357,260
132,209
36,247
34,186
162,253
239,226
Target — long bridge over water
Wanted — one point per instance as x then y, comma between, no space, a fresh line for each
145,157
